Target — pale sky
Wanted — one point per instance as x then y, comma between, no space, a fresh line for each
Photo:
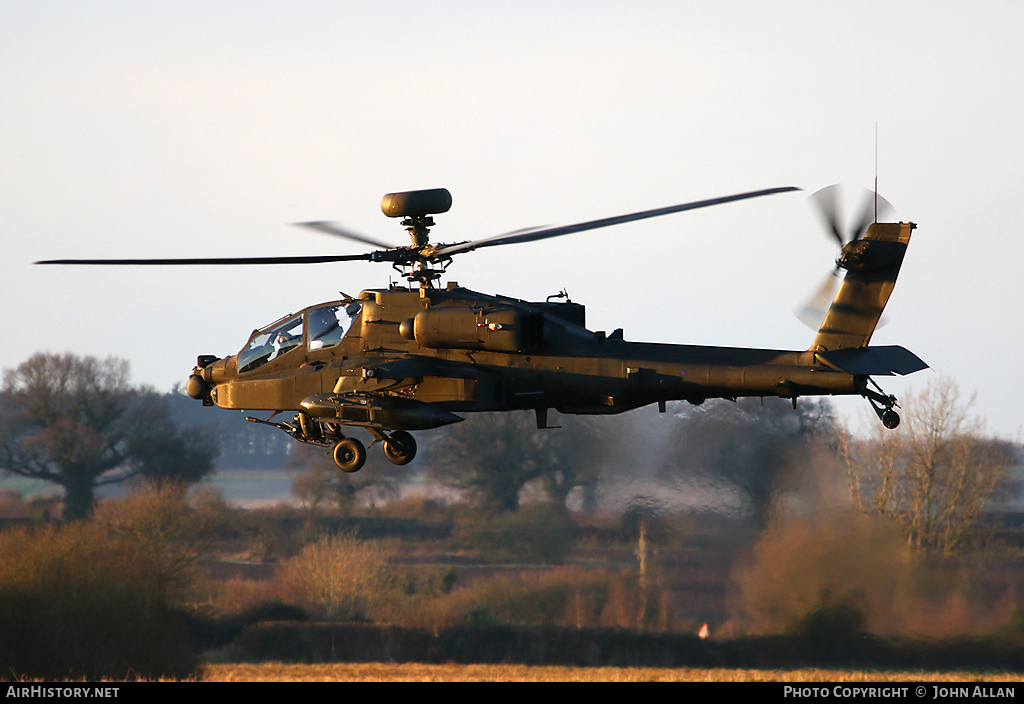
154,129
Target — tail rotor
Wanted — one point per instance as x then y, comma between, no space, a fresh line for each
827,203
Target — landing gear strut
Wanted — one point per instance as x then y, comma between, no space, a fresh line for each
349,453
882,405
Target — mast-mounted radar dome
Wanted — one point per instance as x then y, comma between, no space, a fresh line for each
416,204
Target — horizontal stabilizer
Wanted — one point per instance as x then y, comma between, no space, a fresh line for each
873,361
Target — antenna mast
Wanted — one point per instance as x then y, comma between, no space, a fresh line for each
876,172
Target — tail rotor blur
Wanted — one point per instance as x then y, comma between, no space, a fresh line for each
827,203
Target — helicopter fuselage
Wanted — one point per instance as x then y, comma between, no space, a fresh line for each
457,350
401,359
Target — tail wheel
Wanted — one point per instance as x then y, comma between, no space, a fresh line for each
890,419
400,447
349,455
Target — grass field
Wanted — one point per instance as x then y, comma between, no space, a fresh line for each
414,672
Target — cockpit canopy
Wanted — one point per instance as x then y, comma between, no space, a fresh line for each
318,328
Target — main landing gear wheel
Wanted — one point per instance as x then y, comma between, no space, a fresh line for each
349,455
400,447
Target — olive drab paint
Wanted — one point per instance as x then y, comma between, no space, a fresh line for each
407,358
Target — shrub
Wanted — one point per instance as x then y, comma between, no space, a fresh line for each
12,505
337,578
417,508
231,597
99,598
567,596
830,623
82,601
157,522
539,533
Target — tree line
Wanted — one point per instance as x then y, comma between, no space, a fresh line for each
79,422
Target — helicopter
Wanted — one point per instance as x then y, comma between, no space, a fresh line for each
412,357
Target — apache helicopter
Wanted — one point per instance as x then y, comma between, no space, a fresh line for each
410,357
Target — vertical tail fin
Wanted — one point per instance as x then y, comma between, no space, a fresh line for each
872,264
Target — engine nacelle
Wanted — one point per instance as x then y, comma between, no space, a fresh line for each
466,329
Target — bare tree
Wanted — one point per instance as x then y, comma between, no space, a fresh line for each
78,422
492,456
754,445
320,479
936,473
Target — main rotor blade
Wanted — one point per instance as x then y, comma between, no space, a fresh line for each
312,259
827,200
332,229
595,224
444,250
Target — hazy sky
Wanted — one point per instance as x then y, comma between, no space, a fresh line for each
155,129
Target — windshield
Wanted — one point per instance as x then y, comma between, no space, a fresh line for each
270,343
327,326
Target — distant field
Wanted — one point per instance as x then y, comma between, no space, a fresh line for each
414,672
241,487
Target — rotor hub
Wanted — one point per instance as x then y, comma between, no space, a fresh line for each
419,229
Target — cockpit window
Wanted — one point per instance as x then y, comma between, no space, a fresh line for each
270,343
326,327
327,324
